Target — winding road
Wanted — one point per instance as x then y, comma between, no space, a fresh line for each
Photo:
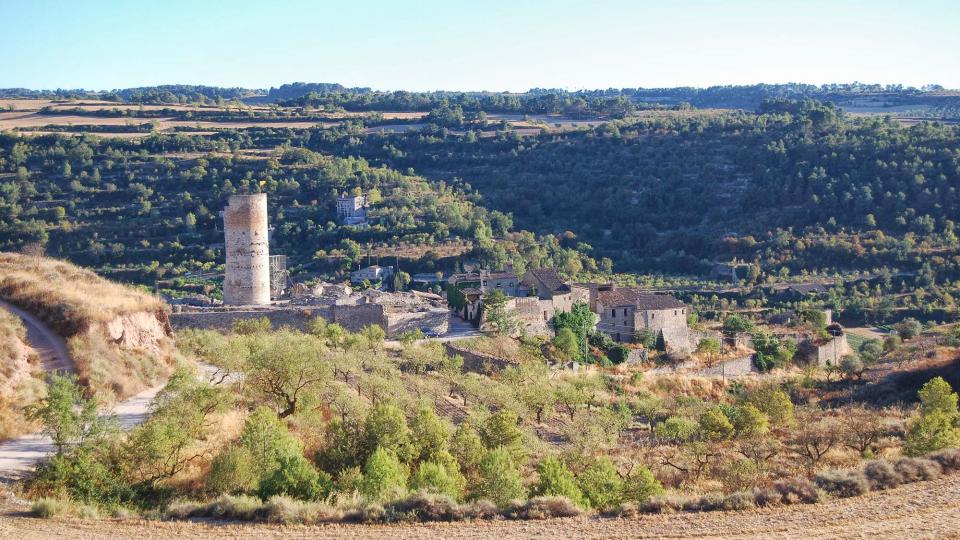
19,456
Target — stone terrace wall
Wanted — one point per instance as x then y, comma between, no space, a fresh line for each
477,362
353,318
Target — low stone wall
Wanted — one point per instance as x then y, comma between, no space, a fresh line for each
477,362
735,367
351,317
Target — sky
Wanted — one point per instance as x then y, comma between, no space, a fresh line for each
477,45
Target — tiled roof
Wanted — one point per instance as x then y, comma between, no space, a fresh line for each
549,278
625,296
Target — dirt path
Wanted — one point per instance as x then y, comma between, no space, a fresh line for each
923,510
50,347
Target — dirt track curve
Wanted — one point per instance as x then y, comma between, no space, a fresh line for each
923,510
50,347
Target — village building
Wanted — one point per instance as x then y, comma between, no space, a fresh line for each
352,209
624,311
372,274
488,281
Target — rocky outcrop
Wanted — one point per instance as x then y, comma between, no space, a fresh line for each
140,331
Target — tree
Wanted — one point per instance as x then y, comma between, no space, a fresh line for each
433,477
749,421
812,439
69,418
555,479
937,395
939,423
295,477
500,480
386,428
851,366
501,320
908,328
710,347
566,342
580,321
232,472
267,440
384,477
715,426
640,485
467,448
286,365
870,351
737,323
772,402
500,430
400,280
601,484
430,435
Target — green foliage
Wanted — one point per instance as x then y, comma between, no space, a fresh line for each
467,447
908,328
268,441
641,485
737,323
715,426
748,421
566,342
285,366
431,477
579,320
939,423
676,429
384,476
67,416
295,477
248,327
386,428
937,395
501,430
851,366
232,472
501,319
646,338
555,479
500,480
870,351
772,402
601,484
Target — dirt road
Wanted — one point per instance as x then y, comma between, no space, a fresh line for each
50,347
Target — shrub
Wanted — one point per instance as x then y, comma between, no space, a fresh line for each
676,429
641,485
937,395
740,500
386,428
843,483
500,480
295,477
284,510
426,507
384,477
481,509
556,479
932,431
774,403
707,503
948,458
267,439
542,508
501,429
749,421
232,472
796,490
350,481
715,426
601,485
917,469
434,478
881,475
49,508
246,327
666,504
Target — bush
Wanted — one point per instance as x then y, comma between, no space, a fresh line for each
246,327
556,479
426,507
676,429
843,483
500,480
917,469
384,477
601,485
796,490
931,431
241,507
434,478
948,458
286,511
666,504
641,485
707,503
49,508
542,508
232,472
715,426
481,509
881,475
740,500
295,477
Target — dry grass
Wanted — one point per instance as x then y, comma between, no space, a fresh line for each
83,307
65,296
19,385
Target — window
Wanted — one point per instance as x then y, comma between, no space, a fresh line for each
653,315
544,315
613,313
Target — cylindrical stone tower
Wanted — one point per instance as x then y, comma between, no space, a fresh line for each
247,279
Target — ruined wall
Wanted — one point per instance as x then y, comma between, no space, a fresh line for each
351,317
827,354
475,361
434,320
247,278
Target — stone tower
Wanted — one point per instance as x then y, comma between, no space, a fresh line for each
247,280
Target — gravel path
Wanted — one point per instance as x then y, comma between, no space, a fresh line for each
50,347
922,510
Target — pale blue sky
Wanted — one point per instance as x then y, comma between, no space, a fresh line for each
477,45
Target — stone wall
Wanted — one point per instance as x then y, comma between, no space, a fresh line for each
351,317
477,362
736,367
827,354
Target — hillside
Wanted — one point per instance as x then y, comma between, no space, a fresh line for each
18,369
119,337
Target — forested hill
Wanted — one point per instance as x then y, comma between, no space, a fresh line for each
798,186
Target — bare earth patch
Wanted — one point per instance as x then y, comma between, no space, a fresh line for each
922,510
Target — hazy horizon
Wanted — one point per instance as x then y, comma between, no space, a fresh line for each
495,46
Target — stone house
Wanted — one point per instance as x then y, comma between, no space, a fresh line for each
352,209
549,287
372,274
488,281
624,311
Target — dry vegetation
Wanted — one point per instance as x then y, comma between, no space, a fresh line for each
118,336
18,382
